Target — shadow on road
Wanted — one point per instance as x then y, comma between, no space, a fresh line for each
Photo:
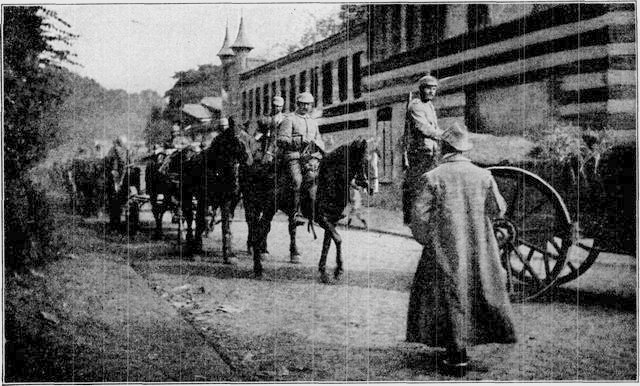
583,298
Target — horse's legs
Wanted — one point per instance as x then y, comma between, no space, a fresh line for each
261,231
330,228
187,212
227,248
293,247
326,244
200,222
157,210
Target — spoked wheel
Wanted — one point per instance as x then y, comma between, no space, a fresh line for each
535,234
580,258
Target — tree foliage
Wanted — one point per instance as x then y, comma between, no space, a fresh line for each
191,86
330,25
34,84
34,87
157,129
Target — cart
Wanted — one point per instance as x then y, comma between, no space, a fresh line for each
538,241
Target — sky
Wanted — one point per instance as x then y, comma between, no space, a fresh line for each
137,47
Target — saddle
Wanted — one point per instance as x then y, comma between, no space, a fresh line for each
310,165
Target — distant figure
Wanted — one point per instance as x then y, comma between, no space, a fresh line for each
178,139
355,204
458,296
116,163
421,139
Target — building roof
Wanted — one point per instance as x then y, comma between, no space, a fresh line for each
197,111
241,40
226,51
213,103
353,31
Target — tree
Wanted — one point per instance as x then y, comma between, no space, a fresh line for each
158,129
331,25
191,86
34,84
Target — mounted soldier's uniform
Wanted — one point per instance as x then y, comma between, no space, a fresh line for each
298,140
421,141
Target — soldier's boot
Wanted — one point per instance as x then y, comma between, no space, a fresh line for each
297,216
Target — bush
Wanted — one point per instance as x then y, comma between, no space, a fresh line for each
29,228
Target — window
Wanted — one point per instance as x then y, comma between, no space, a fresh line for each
327,84
265,99
258,102
314,83
342,78
292,92
244,105
384,134
283,92
477,16
250,104
411,22
303,81
357,75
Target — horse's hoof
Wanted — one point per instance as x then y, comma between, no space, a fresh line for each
324,278
295,259
337,274
231,261
264,256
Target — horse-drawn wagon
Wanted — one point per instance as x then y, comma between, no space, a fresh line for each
541,245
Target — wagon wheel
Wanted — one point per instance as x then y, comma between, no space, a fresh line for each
580,258
535,233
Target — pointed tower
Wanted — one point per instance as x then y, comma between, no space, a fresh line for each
226,53
241,47
226,56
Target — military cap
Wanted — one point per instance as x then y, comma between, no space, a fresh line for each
278,101
428,80
304,97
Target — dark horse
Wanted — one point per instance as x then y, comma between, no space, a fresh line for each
176,184
323,202
215,172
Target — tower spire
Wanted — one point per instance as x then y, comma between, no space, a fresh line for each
226,51
241,40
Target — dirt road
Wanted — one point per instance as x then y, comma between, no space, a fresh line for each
130,309
289,327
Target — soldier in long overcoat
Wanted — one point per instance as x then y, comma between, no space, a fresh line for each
458,297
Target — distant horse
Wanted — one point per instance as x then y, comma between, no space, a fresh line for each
215,172
323,202
86,182
118,198
176,185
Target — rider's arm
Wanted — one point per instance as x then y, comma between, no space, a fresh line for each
318,140
419,115
285,131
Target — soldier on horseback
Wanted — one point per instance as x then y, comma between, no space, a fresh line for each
298,134
116,163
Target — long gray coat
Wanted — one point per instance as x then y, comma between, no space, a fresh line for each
458,297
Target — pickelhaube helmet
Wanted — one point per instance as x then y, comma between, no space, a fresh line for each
278,101
428,80
305,97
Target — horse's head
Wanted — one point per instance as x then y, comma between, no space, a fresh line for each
361,162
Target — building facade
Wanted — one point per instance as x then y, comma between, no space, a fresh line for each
505,69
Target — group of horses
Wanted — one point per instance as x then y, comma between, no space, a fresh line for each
237,166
